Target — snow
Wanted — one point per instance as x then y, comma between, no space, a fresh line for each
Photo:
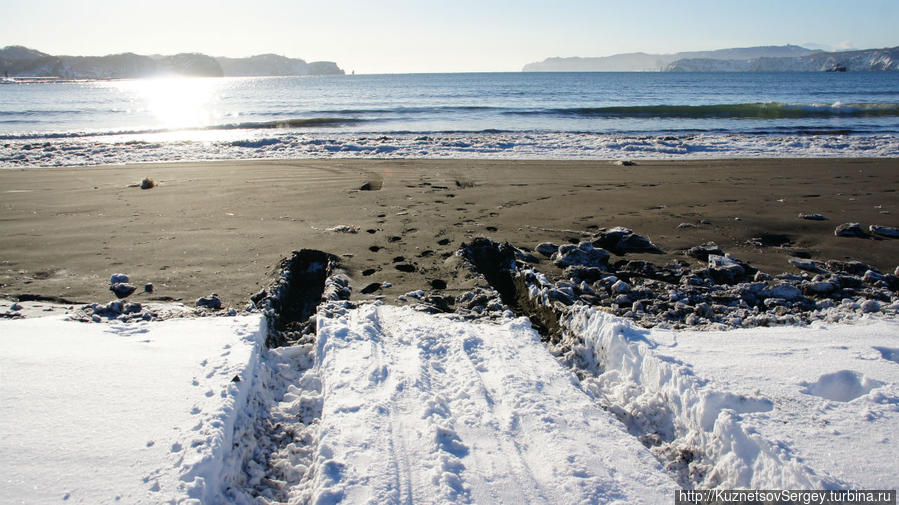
423,409
834,391
762,408
119,413
391,405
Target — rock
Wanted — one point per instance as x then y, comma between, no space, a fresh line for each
850,230
147,183
210,302
15,307
819,287
621,287
702,252
884,231
849,267
783,291
725,270
132,308
547,248
580,273
683,226
812,217
626,163
583,254
122,289
870,306
622,240
119,278
804,264
148,287
704,310
761,277
871,277
258,297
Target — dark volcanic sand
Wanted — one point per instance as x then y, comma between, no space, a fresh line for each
223,226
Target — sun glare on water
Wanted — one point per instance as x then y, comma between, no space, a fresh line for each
175,103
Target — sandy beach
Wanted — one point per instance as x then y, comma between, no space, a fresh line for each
224,226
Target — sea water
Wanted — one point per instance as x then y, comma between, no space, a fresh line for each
476,115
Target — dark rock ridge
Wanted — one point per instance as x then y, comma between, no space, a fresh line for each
18,61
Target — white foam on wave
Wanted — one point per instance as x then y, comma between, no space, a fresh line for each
518,145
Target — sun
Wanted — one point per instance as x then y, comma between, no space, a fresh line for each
176,102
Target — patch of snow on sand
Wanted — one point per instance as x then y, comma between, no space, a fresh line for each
120,413
424,409
834,391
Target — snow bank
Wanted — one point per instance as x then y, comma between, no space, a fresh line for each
735,409
425,409
121,413
834,391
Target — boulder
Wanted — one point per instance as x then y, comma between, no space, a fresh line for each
850,230
583,254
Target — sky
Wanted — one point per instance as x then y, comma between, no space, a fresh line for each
398,36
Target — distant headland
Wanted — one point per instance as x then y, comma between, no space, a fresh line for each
787,58
19,61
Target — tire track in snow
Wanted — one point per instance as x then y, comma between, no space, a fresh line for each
426,409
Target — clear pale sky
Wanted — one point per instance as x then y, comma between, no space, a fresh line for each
388,36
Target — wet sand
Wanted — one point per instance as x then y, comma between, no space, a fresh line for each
223,226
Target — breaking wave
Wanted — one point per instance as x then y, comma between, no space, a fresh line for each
315,122
770,110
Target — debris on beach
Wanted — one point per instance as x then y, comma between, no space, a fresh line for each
343,228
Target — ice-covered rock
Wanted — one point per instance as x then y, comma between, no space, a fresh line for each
784,291
621,287
119,278
804,264
725,270
583,254
210,302
884,231
622,240
702,252
850,230
870,306
122,289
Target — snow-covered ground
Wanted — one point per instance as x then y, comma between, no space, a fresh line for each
391,405
120,413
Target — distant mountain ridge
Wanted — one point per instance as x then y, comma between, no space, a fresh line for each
19,61
742,59
867,60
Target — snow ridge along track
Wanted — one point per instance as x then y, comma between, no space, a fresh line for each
276,435
694,431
